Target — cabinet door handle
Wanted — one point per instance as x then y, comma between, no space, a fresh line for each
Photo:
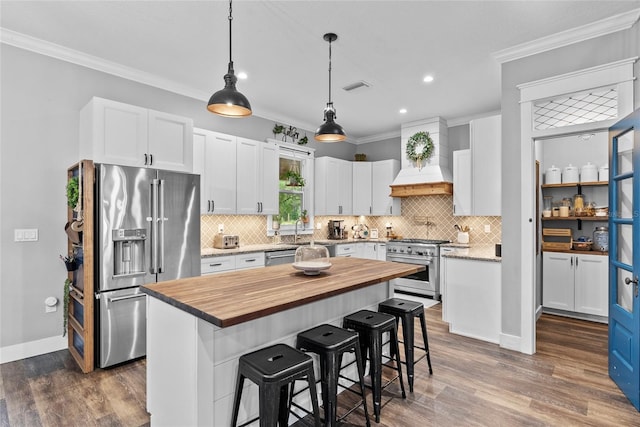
145,159
571,261
208,205
576,262
370,210
213,205
150,159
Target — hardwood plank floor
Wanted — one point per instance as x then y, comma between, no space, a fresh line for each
474,384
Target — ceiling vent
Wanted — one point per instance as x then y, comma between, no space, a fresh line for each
356,85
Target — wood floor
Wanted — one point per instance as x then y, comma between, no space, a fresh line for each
474,384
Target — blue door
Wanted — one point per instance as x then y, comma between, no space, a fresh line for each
624,256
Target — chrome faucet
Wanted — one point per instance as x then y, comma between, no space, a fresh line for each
295,236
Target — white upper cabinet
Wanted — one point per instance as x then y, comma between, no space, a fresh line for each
383,173
214,158
371,189
362,181
333,186
257,177
118,133
477,176
462,183
486,168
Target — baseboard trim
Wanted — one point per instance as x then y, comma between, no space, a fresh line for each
511,342
11,353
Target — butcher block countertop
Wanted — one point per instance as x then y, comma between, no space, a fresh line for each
235,297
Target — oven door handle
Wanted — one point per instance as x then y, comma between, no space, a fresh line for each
410,260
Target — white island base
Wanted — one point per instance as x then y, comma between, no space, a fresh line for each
192,364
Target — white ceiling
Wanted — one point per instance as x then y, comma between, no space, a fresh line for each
390,44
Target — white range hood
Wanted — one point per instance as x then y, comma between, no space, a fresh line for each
434,177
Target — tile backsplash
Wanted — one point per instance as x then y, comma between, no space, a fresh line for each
425,217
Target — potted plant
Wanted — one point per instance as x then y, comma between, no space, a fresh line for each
73,192
294,178
304,217
277,129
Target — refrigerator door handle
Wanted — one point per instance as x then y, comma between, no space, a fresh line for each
161,221
154,226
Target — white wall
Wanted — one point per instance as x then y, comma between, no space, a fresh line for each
40,103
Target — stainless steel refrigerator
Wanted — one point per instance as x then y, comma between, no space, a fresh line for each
148,230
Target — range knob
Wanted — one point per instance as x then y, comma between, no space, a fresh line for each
401,250
409,250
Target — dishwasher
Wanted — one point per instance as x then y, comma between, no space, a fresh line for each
285,256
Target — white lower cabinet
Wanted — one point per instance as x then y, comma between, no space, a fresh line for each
217,264
250,260
577,283
221,264
473,298
347,250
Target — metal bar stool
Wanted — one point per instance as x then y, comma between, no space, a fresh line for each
330,343
370,325
273,369
407,311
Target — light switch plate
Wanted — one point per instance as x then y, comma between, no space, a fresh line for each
25,235
487,228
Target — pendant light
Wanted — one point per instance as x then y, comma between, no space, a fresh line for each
330,131
228,102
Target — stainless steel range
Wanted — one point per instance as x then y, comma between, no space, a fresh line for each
422,252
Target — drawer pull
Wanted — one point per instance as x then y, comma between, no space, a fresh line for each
215,265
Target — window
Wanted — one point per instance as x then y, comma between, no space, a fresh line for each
295,188
291,187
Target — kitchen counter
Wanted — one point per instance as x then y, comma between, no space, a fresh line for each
211,252
239,296
198,327
476,252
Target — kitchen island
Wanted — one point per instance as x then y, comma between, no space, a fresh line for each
198,327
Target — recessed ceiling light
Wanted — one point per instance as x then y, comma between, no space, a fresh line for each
403,111
428,79
242,75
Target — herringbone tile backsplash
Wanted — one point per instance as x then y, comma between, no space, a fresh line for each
425,217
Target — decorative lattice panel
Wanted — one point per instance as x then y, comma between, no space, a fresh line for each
576,109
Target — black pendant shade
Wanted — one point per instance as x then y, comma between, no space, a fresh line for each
228,102
330,131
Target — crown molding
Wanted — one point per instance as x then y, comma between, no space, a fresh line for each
62,53
599,28
378,137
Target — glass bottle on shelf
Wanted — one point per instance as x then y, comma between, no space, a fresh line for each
578,205
546,208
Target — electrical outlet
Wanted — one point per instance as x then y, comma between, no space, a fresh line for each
487,228
318,226
220,228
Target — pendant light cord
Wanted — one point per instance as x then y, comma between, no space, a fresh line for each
230,19
329,71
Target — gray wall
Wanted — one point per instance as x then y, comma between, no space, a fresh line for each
41,99
601,50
